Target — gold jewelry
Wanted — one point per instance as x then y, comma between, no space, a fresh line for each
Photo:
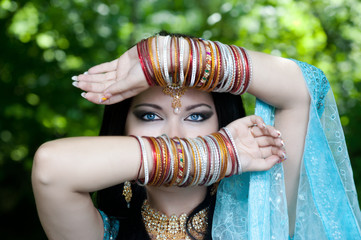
176,92
161,227
127,192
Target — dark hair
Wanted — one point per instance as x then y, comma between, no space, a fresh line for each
110,200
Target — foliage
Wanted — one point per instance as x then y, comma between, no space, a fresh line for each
44,43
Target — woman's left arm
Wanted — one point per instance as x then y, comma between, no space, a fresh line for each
280,83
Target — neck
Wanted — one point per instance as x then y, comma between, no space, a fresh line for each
175,200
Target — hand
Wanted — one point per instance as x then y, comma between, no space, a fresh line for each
114,81
259,146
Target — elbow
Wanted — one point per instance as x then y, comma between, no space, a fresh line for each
43,170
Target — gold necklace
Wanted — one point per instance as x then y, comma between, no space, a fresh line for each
161,227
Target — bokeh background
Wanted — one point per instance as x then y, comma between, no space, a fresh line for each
44,43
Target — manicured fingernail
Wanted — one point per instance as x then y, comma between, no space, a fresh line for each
85,73
278,133
83,94
75,84
284,156
74,78
103,99
283,143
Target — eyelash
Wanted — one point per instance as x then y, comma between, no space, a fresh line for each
143,117
203,116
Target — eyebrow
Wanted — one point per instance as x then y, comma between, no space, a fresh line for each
197,105
148,105
160,108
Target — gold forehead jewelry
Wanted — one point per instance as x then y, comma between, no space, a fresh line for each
176,93
162,227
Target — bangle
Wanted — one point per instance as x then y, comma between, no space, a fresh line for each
229,135
144,160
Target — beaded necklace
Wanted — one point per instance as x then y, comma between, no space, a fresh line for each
161,227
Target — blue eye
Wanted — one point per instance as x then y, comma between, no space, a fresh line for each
150,117
195,117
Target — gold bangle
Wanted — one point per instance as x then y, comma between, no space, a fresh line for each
158,170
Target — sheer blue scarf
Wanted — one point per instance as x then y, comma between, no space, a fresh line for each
253,205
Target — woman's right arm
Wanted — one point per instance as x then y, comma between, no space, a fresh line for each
66,170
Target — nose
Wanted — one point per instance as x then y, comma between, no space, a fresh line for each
174,128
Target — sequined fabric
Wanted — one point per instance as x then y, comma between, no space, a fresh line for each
253,205
111,226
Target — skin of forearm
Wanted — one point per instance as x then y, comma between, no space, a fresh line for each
87,164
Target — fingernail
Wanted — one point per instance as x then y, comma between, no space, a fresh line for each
75,84
278,133
284,156
83,94
74,78
103,99
85,73
263,125
283,143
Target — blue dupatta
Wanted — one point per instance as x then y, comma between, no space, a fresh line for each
253,205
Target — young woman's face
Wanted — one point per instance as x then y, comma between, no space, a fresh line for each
151,114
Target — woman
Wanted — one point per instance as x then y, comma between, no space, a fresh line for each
277,81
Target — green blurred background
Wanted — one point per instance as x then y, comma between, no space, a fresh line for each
44,43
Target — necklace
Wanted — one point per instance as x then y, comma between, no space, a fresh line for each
161,227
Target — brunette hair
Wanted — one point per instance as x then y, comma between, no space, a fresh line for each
110,200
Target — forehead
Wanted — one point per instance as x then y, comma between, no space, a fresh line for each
156,95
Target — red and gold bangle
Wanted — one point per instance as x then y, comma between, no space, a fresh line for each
175,163
195,166
188,63
223,152
165,160
157,75
238,77
219,68
231,153
158,166
158,64
247,67
180,152
199,63
141,60
208,67
192,56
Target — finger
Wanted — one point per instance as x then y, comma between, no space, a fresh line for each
262,164
122,96
273,131
264,141
99,98
252,121
93,86
104,67
96,77
272,150
258,132
132,82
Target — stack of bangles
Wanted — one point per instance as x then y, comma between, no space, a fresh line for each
189,161
184,62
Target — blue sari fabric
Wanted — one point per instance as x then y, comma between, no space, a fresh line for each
253,205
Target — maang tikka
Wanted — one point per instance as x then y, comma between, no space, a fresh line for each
176,92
